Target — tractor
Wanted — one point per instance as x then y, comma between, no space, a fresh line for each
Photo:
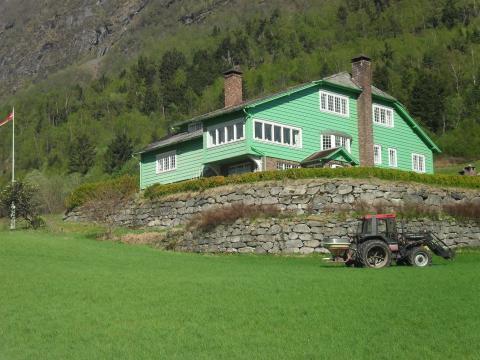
378,241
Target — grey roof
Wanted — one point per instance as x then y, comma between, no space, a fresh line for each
336,132
343,79
173,139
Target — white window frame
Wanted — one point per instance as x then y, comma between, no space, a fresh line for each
168,156
391,163
223,127
282,165
348,142
340,98
386,109
195,126
415,163
282,126
377,160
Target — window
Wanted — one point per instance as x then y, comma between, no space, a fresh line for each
239,169
382,115
377,154
226,133
282,165
392,157
195,126
166,162
418,163
276,133
334,103
329,141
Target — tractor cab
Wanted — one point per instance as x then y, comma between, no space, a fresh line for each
378,226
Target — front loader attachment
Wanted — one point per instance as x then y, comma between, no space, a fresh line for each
438,247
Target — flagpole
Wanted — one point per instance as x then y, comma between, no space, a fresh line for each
12,220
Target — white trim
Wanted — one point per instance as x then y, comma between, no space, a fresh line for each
168,156
387,110
223,126
340,98
348,142
390,163
377,161
299,145
414,163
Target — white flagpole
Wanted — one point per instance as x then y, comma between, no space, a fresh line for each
12,220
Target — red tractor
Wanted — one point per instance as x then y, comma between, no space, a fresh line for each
378,242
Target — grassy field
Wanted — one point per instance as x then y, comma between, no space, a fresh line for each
454,168
67,296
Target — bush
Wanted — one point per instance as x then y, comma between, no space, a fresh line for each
158,190
125,186
229,214
464,210
52,190
22,194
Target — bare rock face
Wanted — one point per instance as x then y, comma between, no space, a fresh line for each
38,38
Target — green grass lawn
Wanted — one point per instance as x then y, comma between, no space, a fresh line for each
65,296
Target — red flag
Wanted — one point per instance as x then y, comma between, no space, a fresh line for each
9,118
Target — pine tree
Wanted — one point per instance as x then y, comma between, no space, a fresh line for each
82,155
119,151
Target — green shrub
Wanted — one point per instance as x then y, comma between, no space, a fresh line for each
158,190
125,185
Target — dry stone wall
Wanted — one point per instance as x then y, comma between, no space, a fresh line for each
301,235
314,196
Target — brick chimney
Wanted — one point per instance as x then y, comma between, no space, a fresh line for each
362,76
233,87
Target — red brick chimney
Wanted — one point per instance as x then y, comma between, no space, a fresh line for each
233,87
362,76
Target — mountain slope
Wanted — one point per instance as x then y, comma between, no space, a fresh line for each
38,38
165,65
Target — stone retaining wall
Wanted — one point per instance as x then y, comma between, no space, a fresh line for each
313,196
301,235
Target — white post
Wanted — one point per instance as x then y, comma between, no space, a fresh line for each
12,214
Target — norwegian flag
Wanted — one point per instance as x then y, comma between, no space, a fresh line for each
9,118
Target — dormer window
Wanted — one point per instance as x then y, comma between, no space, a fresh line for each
195,126
334,103
382,115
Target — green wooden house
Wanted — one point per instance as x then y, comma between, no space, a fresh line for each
341,120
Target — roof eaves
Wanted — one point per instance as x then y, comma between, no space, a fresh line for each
345,154
173,140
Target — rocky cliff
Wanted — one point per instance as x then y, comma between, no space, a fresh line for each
38,38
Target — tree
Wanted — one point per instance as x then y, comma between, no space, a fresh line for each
342,15
381,77
119,151
450,14
82,155
428,100
23,195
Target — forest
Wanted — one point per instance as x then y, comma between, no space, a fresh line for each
74,128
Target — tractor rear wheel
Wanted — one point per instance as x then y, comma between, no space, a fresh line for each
419,257
376,254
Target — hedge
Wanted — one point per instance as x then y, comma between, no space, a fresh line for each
469,182
126,185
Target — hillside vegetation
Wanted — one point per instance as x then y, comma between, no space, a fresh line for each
425,54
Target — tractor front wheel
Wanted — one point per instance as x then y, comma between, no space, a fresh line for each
419,257
376,254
